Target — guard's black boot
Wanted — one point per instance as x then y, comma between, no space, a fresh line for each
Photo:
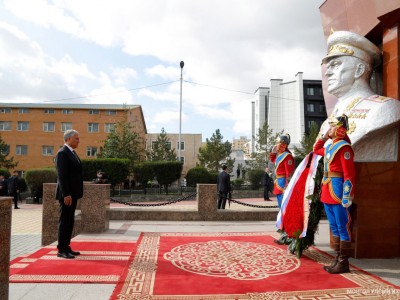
336,248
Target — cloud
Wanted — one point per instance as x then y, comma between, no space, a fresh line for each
168,73
70,70
228,46
123,75
167,117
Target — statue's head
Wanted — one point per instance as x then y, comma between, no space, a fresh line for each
350,57
346,43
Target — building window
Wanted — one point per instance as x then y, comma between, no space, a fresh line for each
310,91
47,150
5,151
310,107
109,127
23,110
5,110
91,151
5,126
67,111
182,145
49,126
311,122
93,112
66,126
93,127
168,145
322,109
21,150
111,112
49,111
182,160
23,126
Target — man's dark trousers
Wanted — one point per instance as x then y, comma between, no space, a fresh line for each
222,200
66,225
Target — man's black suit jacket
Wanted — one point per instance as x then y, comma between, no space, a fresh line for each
224,182
69,175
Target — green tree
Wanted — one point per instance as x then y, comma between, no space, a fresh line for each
215,152
265,140
123,142
166,172
4,152
36,177
307,142
198,175
161,149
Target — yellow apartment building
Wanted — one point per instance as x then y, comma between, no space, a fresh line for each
34,132
190,144
239,144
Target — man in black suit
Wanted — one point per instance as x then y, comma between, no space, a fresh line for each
3,186
69,190
13,188
224,187
267,184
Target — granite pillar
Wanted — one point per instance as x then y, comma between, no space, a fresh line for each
91,216
95,207
50,214
207,201
5,238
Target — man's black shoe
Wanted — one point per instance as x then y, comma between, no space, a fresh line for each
16,208
76,253
65,255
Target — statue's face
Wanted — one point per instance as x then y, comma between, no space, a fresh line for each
340,74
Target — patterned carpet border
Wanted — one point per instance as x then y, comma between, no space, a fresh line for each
139,279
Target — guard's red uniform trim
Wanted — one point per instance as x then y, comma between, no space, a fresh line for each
284,169
342,162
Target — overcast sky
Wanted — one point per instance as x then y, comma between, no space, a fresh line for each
128,51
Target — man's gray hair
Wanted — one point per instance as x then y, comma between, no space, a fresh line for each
69,133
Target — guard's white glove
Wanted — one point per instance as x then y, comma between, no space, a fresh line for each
346,203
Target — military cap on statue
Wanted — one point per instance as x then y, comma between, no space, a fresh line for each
346,43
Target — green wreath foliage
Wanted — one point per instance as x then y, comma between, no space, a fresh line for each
298,245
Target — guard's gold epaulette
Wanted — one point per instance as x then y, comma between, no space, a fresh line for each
377,98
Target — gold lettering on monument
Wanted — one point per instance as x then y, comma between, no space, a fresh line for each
352,127
352,104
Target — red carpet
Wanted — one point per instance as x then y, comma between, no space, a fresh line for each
99,262
234,266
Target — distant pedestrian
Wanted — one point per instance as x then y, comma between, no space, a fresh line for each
3,186
267,181
224,187
237,173
101,177
13,188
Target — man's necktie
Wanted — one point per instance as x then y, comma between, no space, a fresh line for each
76,156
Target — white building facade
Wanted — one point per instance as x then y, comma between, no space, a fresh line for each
259,112
291,106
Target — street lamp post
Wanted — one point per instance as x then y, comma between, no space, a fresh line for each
180,116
